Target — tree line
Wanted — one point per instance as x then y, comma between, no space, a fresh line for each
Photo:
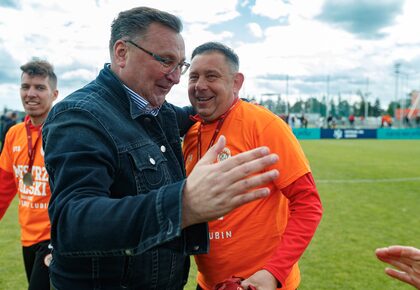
337,108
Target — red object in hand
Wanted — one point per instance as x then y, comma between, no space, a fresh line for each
233,283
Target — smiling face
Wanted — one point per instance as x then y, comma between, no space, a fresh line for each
37,97
140,71
212,85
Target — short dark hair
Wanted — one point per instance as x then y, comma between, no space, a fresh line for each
230,55
43,68
135,22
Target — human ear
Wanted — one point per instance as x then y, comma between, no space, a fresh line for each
120,53
238,80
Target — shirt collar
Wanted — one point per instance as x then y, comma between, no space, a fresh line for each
142,104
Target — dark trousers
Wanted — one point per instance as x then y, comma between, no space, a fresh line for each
36,270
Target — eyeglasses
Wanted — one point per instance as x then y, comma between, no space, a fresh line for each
168,65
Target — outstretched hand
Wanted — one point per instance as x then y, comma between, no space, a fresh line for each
405,259
214,189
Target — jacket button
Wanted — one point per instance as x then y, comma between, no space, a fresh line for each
128,252
152,161
163,149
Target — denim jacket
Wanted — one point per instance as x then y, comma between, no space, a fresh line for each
116,177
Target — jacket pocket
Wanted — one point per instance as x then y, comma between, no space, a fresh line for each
149,167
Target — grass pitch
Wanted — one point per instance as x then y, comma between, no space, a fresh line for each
370,190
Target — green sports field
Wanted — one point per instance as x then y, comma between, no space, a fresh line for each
370,191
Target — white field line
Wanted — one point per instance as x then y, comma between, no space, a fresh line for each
388,180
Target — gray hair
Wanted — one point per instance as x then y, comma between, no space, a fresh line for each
229,54
135,22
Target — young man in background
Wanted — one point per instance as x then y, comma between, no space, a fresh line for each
22,170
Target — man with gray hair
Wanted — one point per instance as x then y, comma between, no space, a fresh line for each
123,214
261,241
